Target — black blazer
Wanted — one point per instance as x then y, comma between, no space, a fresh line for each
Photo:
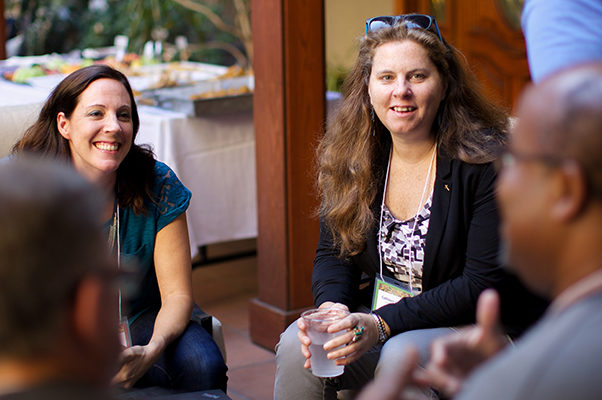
461,254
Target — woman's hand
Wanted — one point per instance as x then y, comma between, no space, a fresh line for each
302,334
172,267
351,351
134,362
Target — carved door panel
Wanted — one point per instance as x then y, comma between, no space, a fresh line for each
488,33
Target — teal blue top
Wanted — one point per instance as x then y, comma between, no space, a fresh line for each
138,232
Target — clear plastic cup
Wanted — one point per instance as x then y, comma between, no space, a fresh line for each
317,322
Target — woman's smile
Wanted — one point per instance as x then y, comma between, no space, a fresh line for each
403,109
104,146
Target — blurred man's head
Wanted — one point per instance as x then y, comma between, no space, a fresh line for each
550,184
57,289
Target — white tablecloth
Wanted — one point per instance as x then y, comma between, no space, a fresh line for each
12,94
19,107
215,158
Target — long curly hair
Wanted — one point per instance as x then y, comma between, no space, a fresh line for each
134,175
351,158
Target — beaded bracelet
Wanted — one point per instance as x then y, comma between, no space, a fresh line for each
380,324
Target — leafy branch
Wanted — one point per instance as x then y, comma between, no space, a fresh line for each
241,29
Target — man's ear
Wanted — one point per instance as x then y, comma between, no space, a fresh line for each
573,192
62,124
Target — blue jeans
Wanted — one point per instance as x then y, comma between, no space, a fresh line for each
190,363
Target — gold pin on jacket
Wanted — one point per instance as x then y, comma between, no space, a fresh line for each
446,187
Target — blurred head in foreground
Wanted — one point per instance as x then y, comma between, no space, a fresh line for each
58,298
550,182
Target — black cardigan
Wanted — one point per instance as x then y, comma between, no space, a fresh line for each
461,257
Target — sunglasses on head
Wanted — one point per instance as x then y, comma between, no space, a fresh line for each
412,21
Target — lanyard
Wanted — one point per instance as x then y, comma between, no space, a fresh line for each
380,221
114,240
118,258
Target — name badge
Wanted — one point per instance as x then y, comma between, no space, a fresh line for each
389,291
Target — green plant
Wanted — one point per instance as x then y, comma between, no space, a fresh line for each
241,29
335,75
218,31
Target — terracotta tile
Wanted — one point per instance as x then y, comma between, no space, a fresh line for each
223,281
224,290
233,247
233,312
254,381
241,351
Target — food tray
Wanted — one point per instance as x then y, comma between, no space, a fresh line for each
184,98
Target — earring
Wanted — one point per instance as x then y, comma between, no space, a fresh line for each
372,120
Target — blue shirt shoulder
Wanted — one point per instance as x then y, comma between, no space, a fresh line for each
138,234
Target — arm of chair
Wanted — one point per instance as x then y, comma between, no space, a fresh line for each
211,325
201,317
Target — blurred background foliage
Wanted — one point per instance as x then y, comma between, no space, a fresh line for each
218,31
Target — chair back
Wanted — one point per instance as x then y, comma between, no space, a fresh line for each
14,121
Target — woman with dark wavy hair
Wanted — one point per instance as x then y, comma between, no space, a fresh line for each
90,120
407,186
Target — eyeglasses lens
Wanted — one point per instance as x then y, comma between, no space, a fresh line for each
508,159
377,24
413,25
504,160
418,21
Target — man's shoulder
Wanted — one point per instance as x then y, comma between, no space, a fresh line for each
558,357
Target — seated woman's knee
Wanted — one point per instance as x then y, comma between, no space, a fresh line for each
200,359
289,346
397,346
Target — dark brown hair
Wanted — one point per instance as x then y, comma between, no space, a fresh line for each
134,175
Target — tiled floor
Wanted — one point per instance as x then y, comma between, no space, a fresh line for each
224,290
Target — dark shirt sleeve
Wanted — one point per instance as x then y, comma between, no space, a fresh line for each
462,265
466,262
334,278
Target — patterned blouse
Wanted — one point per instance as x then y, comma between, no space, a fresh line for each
398,243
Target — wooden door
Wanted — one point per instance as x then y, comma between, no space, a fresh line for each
2,32
488,33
